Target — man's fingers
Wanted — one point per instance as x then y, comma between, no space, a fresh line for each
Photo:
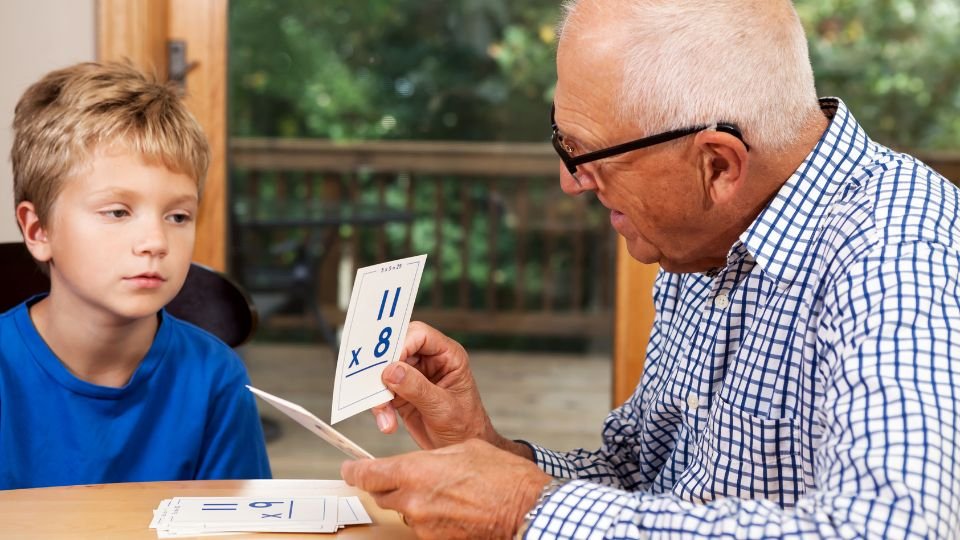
408,383
386,417
372,475
417,340
393,500
424,340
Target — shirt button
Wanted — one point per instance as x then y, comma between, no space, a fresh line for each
721,301
693,401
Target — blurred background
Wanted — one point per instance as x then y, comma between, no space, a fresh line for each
360,132
448,101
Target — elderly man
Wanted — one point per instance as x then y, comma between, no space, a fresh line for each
799,379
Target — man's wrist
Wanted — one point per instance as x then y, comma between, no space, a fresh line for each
548,490
516,447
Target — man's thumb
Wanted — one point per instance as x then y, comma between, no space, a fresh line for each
408,383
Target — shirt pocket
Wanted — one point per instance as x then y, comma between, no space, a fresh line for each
745,456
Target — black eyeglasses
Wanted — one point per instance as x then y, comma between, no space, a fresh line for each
565,151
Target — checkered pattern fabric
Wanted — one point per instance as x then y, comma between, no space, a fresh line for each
808,388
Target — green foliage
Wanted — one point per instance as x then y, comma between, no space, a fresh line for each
398,69
484,69
895,62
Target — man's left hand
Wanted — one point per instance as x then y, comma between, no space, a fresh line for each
467,490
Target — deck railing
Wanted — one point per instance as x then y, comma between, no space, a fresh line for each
509,253
946,163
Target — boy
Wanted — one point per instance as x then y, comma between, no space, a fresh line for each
97,382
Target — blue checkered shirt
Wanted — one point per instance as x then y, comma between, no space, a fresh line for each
807,389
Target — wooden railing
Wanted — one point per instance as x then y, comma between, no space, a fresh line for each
509,253
946,163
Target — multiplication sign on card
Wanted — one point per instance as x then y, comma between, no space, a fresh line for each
376,323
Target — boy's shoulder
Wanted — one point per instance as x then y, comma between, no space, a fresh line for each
190,340
8,326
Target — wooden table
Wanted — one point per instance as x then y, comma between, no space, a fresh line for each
123,511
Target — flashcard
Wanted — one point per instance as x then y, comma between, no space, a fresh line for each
373,332
308,420
205,515
215,516
305,514
351,512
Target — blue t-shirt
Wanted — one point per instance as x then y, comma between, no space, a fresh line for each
185,413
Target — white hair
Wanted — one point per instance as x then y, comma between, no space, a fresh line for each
692,62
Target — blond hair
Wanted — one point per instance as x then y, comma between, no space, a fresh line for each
690,62
61,120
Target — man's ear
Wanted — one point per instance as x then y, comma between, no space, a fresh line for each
34,234
723,164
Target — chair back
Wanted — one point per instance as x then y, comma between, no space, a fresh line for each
216,303
20,276
208,298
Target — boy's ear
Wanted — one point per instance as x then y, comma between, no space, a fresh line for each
34,234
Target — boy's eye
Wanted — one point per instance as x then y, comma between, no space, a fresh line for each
180,218
116,213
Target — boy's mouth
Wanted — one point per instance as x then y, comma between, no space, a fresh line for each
148,275
148,280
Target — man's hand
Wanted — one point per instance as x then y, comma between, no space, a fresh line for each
469,490
436,394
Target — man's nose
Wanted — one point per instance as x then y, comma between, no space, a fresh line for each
574,185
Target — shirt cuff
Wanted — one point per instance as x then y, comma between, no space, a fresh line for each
578,509
550,462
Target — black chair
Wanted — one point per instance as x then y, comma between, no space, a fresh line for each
20,277
208,299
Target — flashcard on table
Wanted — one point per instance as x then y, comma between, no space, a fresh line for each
215,516
303,514
351,512
308,420
373,332
203,516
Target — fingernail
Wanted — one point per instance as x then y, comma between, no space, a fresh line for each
382,421
396,374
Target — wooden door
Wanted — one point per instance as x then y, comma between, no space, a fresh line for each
633,319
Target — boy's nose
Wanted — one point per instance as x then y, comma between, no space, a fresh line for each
152,241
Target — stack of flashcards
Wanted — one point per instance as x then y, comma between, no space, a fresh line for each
201,516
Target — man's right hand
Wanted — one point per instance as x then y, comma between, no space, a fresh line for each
436,394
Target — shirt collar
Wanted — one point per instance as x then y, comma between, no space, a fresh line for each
780,237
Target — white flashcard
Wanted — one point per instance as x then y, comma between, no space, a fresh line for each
216,516
308,420
351,512
373,333
301,514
